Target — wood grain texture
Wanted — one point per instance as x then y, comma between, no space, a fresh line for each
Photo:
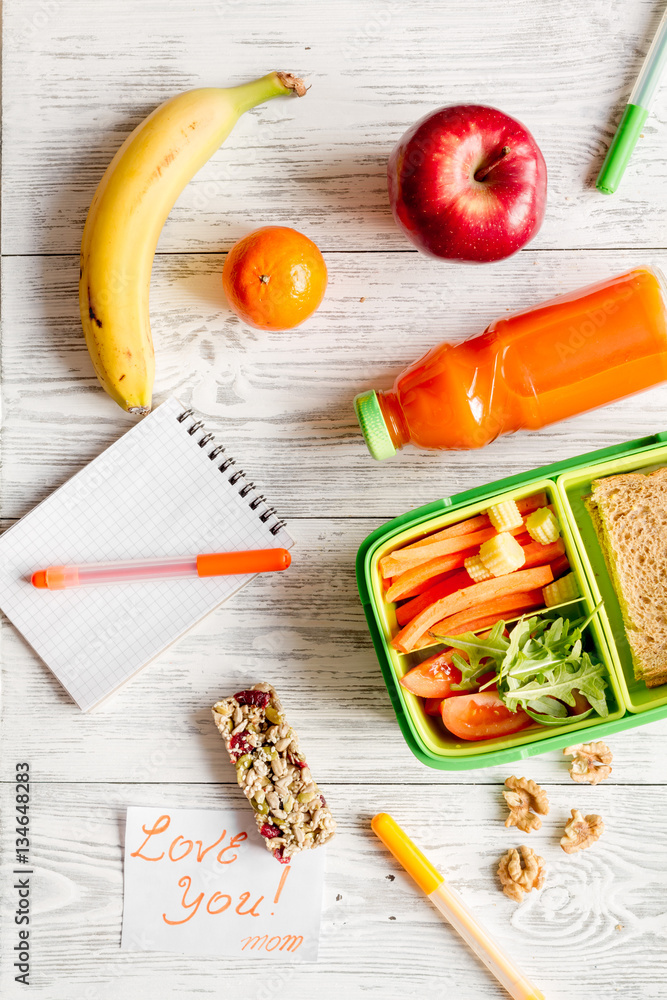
75,82
283,402
564,68
599,916
310,641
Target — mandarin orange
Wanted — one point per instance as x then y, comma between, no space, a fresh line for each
275,278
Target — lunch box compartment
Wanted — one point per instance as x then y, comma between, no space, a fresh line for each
573,487
566,484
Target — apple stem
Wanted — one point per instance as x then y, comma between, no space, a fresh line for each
484,172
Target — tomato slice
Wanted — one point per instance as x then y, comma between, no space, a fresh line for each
484,679
481,716
433,678
432,706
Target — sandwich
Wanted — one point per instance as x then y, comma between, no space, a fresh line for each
629,513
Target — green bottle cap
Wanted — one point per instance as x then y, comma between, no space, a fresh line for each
620,151
373,426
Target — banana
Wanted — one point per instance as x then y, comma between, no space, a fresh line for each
126,216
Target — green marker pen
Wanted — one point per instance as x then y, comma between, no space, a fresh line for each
635,114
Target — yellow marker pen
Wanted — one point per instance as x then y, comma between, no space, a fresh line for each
452,907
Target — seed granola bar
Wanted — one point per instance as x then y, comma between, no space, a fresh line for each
290,812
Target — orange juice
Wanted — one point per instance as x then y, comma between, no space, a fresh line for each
569,355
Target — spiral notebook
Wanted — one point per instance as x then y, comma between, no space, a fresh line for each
165,488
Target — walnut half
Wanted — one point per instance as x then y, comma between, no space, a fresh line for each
525,799
520,873
591,763
581,832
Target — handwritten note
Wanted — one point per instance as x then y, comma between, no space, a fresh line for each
200,882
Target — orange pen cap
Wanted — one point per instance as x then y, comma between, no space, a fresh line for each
249,561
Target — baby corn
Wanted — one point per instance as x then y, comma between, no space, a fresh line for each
476,569
561,591
543,526
502,554
505,516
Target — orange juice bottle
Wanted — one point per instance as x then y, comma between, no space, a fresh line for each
528,370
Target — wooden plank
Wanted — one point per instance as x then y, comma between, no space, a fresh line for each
603,908
303,631
283,402
319,164
74,85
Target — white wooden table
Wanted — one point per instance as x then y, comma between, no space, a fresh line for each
77,78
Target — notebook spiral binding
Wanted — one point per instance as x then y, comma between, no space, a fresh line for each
256,501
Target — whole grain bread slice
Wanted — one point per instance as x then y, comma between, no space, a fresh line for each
629,513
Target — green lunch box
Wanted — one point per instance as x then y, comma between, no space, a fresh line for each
566,484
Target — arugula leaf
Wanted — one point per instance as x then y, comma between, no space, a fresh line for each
484,654
542,660
548,706
586,676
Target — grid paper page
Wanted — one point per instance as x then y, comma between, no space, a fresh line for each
153,493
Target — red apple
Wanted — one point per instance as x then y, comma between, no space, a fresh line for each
468,182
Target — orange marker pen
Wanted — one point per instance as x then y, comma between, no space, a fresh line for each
208,564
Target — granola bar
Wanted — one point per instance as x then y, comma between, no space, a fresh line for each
290,812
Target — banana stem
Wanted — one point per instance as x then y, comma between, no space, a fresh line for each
249,95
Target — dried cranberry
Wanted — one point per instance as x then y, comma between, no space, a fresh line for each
238,746
279,856
270,831
260,698
323,800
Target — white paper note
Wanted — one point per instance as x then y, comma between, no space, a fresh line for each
201,882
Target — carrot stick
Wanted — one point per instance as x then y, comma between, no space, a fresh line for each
495,608
538,555
467,597
478,625
445,564
454,582
560,567
420,588
526,506
452,531
464,620
475,625
405,559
